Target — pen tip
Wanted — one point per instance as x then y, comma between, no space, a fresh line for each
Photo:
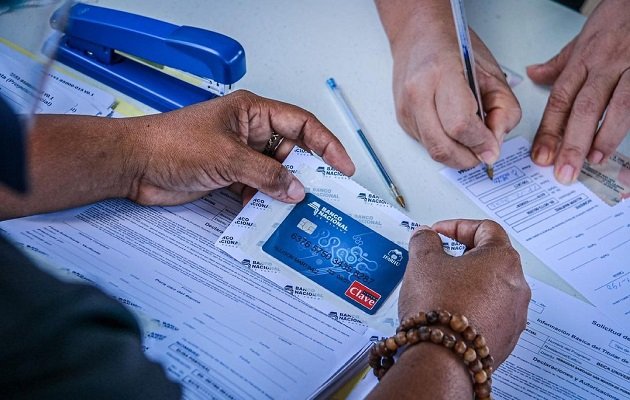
490,171
401,201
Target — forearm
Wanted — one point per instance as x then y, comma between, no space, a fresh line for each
408,18
425,371
71,161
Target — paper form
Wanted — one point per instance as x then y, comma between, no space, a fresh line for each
569,351
162,261
61,93
571,230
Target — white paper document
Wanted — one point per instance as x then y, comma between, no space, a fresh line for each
220,329
583,239
569,351
21,76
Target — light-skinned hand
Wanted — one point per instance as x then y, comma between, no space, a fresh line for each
434,102
590,75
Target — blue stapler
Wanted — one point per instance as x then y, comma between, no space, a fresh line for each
97,41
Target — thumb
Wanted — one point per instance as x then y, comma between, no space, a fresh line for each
424,244
548,72
267,175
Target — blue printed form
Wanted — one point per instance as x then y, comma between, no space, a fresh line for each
338,253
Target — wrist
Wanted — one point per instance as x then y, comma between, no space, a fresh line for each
408,22
135,152
450,331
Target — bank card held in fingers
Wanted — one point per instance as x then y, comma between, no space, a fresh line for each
338,253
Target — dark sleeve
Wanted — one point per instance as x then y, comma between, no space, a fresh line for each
63,340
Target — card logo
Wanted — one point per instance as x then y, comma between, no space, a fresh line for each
372,199
329,215
330,171
363,295
394,256
410,225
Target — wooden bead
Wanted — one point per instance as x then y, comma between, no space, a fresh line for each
489,370
381,349
459,323
432,317
412,336
391,345
469,334
481,376
406,324
436,335
444,317
487,361
420,318
470,355
460,347
482,389
483,352
449,340
475,366
480,341
401,338
424,333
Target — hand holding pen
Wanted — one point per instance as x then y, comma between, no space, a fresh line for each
434,102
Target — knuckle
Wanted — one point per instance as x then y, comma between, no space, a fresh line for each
439,153
559,100
585,107
571,150
459,128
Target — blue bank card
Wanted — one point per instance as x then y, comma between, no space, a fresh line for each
338,253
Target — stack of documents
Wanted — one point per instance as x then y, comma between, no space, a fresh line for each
61,93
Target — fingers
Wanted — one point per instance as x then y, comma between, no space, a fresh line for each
587,110
299,125
548,72
458,113
503,111
265,174
425,244
439,145
616,123
474,233
551,130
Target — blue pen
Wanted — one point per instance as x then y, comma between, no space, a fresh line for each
468,59
341,101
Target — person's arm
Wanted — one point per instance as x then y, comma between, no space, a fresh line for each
591,83
486,285
434,103
425,371
169,158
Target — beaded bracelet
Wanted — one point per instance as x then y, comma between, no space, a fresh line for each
466,343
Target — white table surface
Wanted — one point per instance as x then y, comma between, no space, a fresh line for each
292,47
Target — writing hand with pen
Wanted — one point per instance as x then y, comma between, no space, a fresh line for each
434,101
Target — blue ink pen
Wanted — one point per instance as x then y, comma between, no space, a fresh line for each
343,105
468,60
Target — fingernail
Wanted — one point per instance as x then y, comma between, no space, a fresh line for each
565,174
596,157
542,155
296,190
488,157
